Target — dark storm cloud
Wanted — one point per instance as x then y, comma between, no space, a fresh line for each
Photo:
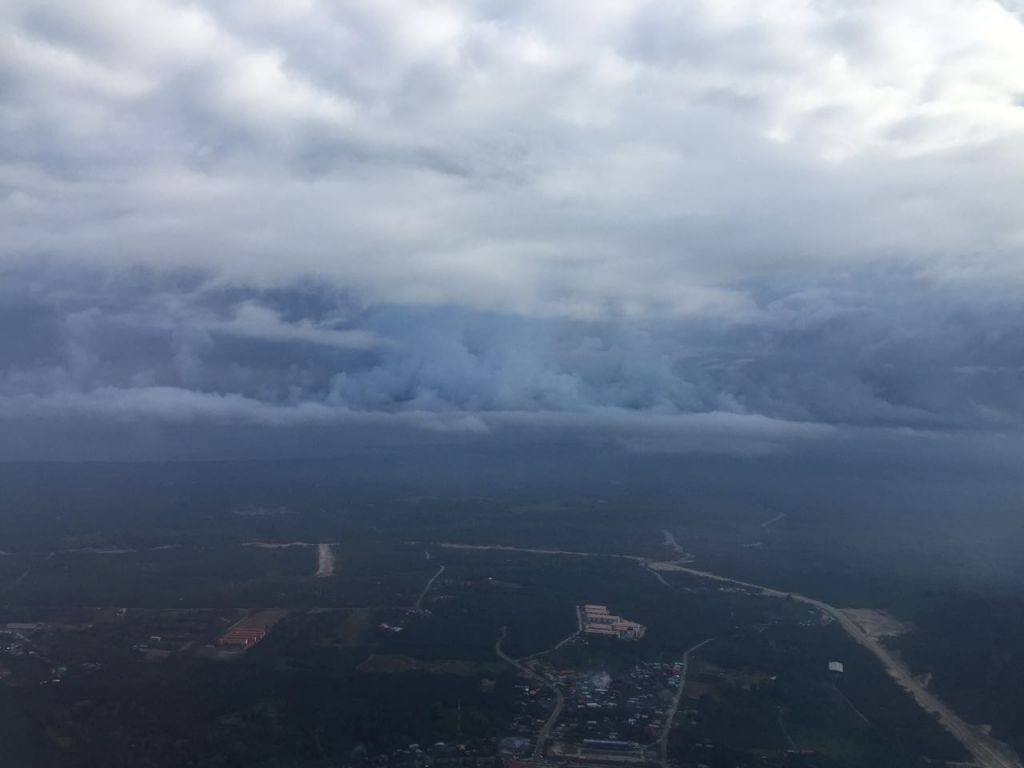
700,225
859,352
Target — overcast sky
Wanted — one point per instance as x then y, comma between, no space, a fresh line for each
713,225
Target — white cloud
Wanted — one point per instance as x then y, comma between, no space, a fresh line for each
253,321
534,157
703,213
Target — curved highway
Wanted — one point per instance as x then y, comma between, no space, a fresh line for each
986,751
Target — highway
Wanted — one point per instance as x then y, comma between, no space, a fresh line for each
986,751
538,551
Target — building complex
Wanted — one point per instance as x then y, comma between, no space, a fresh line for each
596,620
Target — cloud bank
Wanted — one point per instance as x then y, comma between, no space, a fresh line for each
754,225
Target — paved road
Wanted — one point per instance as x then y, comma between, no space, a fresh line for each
539,551
560,643
986,751
545,731
671,717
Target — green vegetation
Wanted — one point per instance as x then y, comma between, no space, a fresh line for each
141,583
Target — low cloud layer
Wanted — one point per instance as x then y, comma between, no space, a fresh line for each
810,359
752,226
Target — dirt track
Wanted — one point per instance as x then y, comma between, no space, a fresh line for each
430,583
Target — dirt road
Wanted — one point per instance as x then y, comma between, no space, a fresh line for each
419,600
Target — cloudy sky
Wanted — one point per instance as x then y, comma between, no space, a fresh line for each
712,225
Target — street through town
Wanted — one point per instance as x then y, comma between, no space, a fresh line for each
545,731
670,718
